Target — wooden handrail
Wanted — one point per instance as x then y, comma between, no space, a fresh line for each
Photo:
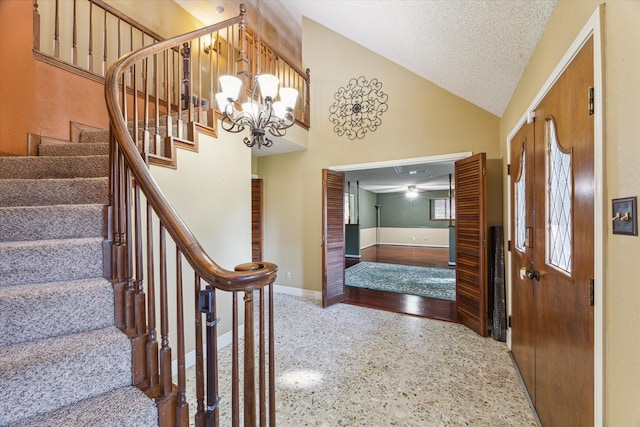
243,280
136,140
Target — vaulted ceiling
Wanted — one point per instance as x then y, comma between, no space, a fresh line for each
476,49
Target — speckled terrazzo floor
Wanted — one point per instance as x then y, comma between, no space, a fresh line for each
353,366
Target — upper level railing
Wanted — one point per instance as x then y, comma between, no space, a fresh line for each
87,36
141,219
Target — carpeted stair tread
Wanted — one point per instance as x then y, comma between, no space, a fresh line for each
27,167
134,409
41,376
50,260
73,149
66,191
37,311
18,223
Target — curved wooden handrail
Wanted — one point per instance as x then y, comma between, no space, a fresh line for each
246,277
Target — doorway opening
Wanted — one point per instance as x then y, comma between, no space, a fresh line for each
390,207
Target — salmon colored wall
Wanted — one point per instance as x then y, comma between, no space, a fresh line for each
36,97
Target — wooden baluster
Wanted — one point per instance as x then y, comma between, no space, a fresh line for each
167,77
235,372
104,45
198,109
249,362
200,417
36,27
90,56
139,336
130,292
165,349
74,43
242,63
120,254
307,109
261,362
182,408
140,306
272,361
146,136
152,341
156,95
56,34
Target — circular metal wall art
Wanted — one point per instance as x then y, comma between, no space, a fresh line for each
358,107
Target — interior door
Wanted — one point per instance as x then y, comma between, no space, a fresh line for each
471,243
523,344
332,237
552,314
563,246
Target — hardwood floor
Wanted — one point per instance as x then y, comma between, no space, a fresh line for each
401,303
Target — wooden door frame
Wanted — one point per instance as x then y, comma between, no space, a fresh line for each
593,28
402,162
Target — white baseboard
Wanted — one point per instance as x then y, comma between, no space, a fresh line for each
305,293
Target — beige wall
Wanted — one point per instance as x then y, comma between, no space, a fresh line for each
422,120
211,190
621,178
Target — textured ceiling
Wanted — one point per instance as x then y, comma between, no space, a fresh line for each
476,49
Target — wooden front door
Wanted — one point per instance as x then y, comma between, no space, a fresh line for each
560,261
332,237
471,243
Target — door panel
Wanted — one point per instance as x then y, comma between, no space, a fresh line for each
522,288
552,319
471,248
564,248
332,237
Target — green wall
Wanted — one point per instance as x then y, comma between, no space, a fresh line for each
401,211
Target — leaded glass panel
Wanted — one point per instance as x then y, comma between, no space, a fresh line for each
559,201
521,205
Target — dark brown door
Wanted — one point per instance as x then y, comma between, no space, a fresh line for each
471,243
332,237
556,301
563,247
256,220
523,344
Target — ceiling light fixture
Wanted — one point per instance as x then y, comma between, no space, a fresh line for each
412,191
261,112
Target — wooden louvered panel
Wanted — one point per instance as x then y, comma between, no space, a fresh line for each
471,273
332,237
256,220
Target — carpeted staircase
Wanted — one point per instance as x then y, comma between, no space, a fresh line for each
62,360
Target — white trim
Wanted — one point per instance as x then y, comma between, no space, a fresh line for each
593,27
402,162
305,293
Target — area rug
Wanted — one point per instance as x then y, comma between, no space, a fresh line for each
430,282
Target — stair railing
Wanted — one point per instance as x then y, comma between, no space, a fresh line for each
141,223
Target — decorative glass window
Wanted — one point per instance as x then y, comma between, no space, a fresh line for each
559,239
439,209
521,205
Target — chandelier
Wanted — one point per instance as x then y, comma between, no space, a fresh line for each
261,112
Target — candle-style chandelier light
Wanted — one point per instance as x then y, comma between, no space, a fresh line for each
261,111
